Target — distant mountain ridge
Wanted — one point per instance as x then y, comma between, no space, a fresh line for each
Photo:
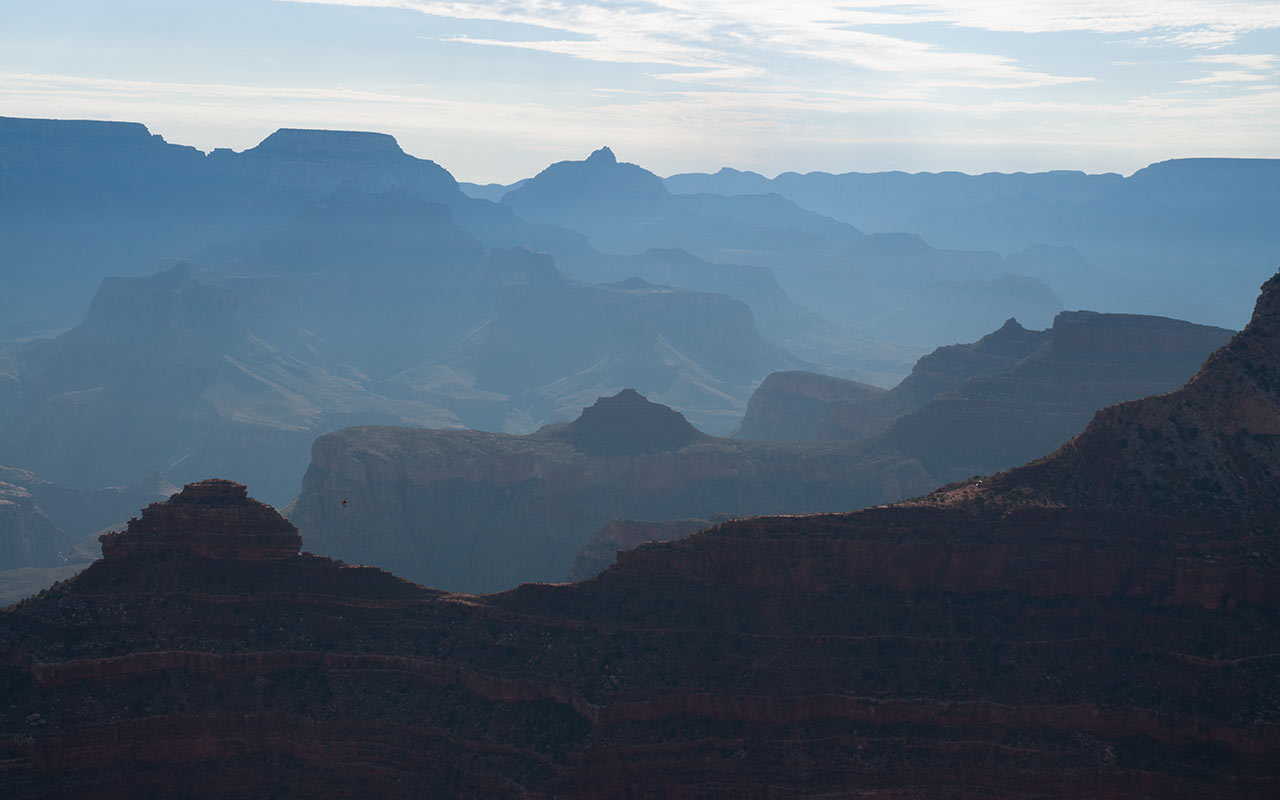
135,199
894,286
1187,238
1101,622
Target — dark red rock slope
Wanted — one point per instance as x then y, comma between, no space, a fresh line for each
1102,623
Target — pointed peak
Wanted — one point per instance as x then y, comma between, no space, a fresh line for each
602,156
628,424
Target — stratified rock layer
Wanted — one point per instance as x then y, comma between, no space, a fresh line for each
210,519
1030,635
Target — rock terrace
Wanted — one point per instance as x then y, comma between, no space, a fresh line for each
213,518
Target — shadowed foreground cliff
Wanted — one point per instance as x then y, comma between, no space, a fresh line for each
1103,622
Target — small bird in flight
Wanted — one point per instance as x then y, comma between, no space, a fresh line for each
345,501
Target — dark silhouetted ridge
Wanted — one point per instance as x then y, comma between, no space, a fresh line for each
627,424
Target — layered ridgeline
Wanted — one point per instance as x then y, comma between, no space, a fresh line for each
1187,238
326,227
476,511
82,200
988,405
965,409
1100,623
189,372
165,375
554,345
894,286
481,512
798,406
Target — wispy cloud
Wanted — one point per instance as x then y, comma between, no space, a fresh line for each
1248,68
698,83
714,36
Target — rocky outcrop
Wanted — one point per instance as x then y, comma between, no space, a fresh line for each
209,519
628,425
1026,636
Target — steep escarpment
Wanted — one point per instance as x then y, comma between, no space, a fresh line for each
475,511
1209,448
799,406
1025,636
1089,361
1049,381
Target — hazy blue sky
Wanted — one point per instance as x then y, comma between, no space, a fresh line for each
497,90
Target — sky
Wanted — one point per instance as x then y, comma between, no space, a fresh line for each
496,91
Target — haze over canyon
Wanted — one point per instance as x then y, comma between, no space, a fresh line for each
606,484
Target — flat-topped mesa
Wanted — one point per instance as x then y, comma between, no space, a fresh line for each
317,143
628,424
213,518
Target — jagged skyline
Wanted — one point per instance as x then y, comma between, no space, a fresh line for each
495,91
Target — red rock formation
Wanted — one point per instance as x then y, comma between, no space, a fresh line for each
1027,636
210,519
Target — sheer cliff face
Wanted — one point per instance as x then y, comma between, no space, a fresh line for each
474,511
1028,636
